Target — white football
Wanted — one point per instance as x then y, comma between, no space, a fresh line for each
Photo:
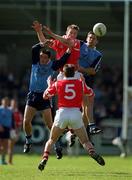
99,29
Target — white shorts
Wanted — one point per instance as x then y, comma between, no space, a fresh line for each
77,75
68,117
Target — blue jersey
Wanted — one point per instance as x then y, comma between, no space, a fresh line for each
39,76
6,117
41,72
89,58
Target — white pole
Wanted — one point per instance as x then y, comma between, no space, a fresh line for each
125,70
59,15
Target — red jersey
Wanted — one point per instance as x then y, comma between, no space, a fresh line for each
70,92
18,118
61,48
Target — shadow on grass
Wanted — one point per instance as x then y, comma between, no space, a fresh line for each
97,174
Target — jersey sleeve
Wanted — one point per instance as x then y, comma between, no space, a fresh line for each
50,91
96,64
62,61
87,90
35,53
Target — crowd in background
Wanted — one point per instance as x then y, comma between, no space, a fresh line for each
108,87
10,126
13,86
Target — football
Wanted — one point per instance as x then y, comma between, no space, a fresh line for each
99,29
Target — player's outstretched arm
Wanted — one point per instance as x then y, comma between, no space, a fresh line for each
38,29
56,36
62,61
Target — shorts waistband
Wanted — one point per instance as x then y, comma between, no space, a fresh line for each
73,108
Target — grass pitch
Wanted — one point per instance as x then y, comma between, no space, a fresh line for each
68,168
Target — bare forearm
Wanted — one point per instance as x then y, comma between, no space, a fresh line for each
41,37
38,29
55,36
60,38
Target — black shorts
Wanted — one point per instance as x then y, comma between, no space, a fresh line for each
89,80
5,134
36,100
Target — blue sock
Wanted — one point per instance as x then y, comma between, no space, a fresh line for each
28,139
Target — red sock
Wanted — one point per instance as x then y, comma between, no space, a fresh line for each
46,155
89,147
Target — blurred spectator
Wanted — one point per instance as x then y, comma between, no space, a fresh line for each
108,88
14,133
109,93
6,123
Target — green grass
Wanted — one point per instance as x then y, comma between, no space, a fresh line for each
68,168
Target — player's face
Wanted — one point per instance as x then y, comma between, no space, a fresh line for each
5,102
91,40
71,33
13,103
43,58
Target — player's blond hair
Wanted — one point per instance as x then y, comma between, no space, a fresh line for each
73,26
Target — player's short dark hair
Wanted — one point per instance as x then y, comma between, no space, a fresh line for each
91,32
69,70
46,51
73,26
